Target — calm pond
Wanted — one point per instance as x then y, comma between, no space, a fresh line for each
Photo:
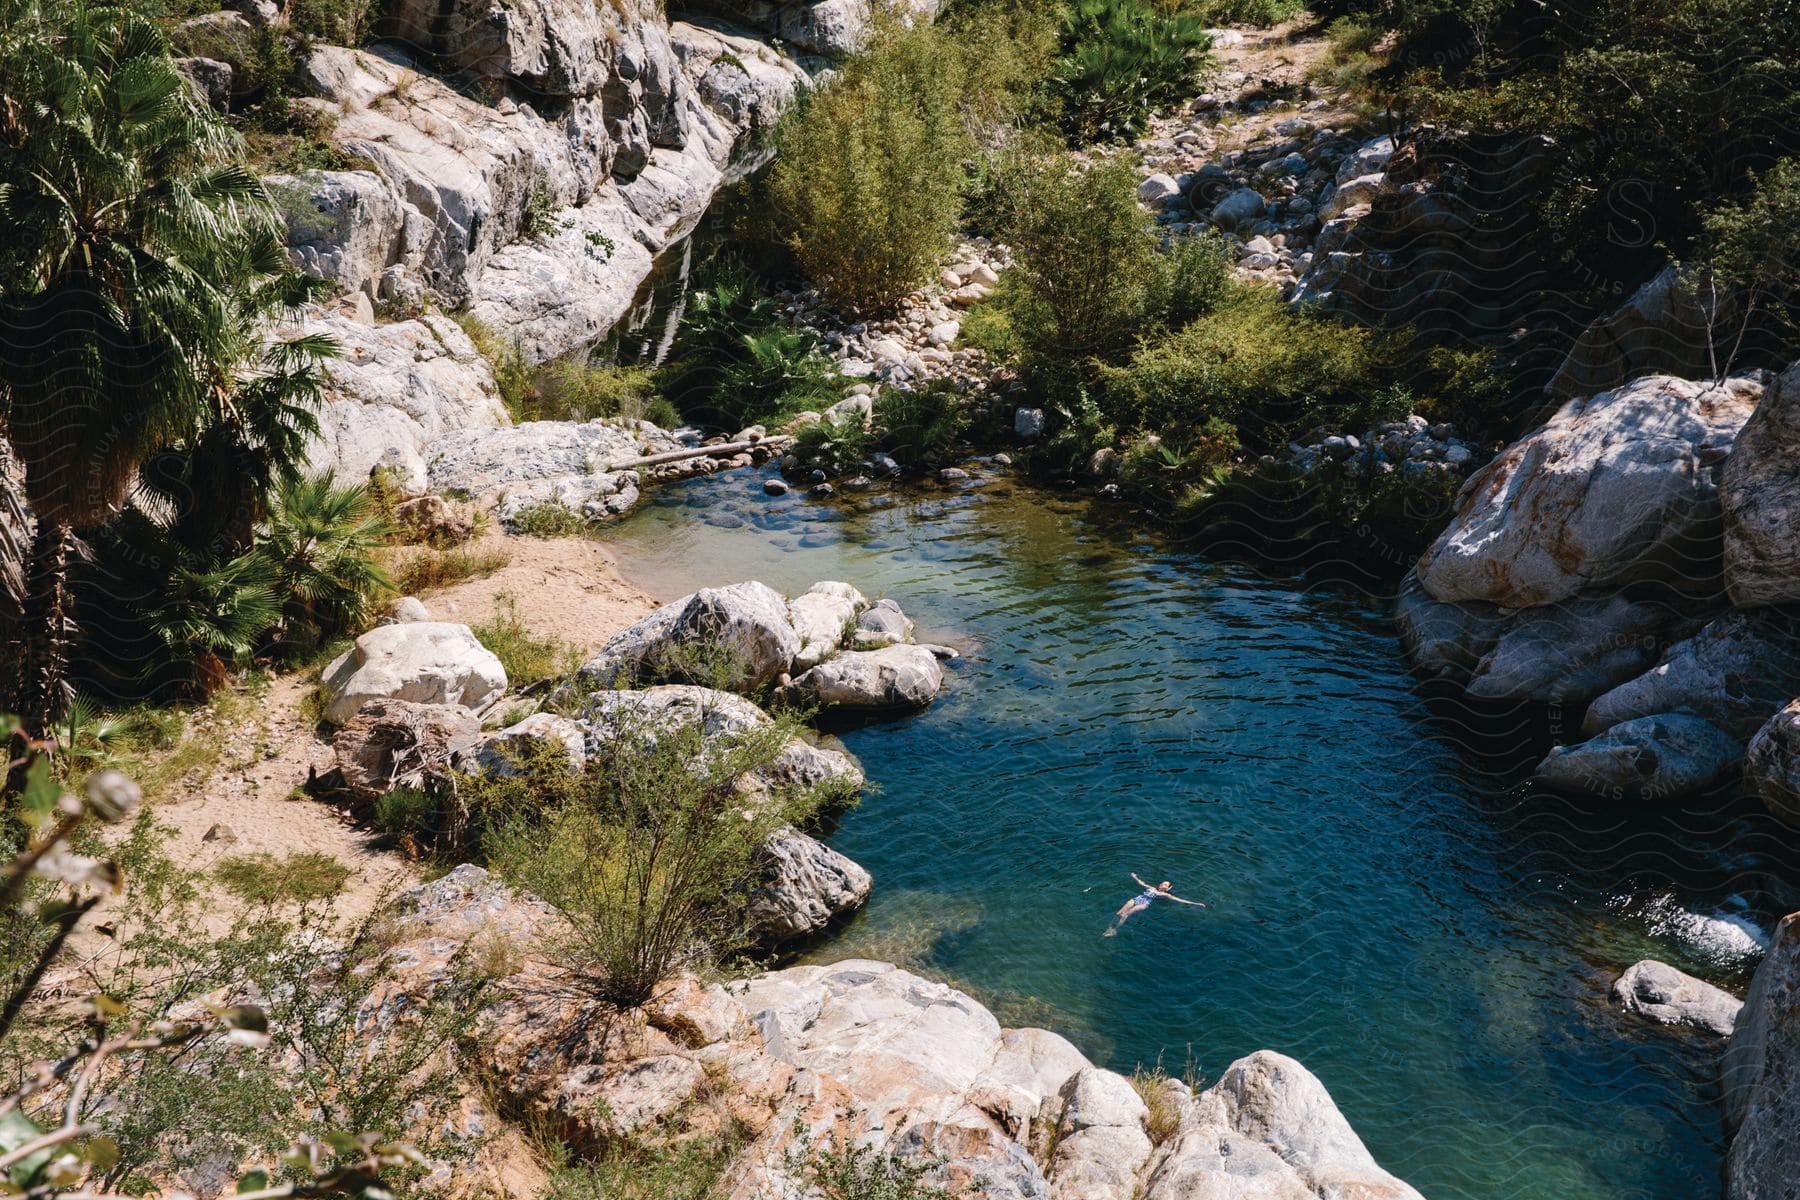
1387,901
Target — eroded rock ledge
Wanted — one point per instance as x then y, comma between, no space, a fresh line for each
866,1050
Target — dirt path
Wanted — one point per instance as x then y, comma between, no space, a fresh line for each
567,586
248,800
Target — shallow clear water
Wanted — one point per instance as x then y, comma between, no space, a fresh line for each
1386,902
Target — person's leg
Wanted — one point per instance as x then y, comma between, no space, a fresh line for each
1119,917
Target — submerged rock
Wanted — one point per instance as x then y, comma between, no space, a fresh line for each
1658,992
428,662
1662,758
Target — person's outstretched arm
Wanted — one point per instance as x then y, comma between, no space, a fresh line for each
1179,900
1141,883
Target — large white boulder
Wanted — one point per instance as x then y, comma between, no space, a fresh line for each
894,677
1658,992
393,390
428,662
1760,490
1667,757
1101,1143
1567,653
740,633
1614,489
1276,1103
822,616
1762,1077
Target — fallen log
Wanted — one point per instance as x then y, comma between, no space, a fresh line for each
669,456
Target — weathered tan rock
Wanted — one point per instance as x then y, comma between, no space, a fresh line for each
1762,1077
435,520
1658,992
428,662
1760,491
858,1050
1614,489
1772,764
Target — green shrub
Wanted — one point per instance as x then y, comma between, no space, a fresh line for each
921,426
526,656
319,543
651,853
302,877
1083,252
1260,13
1121,61
1251,363
988,326
572,390
1753,247
549,519
866,187
736,361
512,373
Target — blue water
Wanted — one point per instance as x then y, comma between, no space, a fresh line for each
1386,901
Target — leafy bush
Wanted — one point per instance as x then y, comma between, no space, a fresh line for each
737,362
571,390
548,520
1250,363
920,426
1121,61
526,656
649,854
1753,246
866,188
1091,280
319,543
1260,13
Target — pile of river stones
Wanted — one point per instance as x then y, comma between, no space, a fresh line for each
917,345
1413,446
410,696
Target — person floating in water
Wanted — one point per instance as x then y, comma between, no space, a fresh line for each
1141,901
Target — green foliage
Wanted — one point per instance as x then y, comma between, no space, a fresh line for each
1260,13
737,362
527,657
302,877
845,1169
512,373
573,390
548,520
648,1168
319,543
1250,362
866,188
1753,247
1091,277
651,853
1121,61
919,426
335,22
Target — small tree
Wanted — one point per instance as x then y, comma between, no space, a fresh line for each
1754,248
866,190
652,854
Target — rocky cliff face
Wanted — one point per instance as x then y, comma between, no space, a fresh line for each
526,163
867,1051
1762,1078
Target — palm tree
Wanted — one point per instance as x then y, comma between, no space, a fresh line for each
129,223
318,542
